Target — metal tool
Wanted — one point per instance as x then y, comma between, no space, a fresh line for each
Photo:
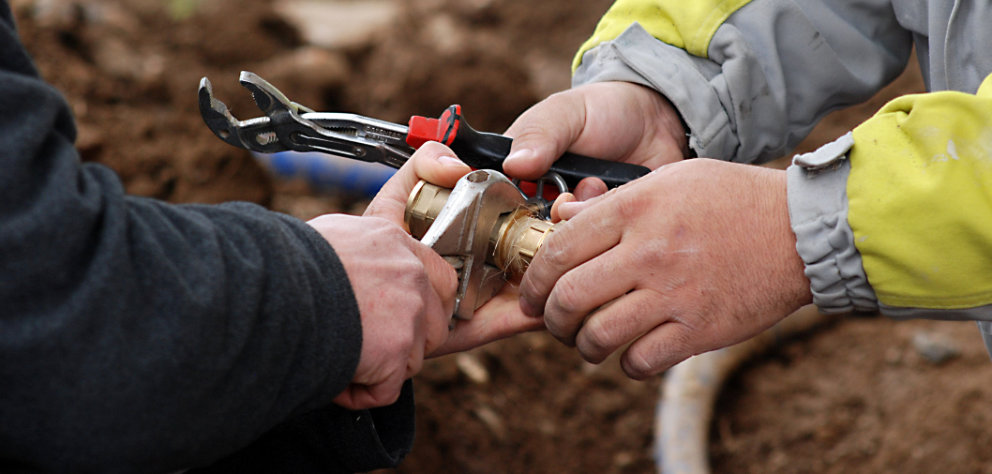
484,228
291,126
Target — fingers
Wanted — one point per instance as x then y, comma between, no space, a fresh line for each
561,199
589,188
362,397
663,347
444,283
499,318
433,162
568,246
569,209
616,324
585,194
543,133
585,288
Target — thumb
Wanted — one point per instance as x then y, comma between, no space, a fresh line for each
433,162
542,134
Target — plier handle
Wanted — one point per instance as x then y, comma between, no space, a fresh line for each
291,126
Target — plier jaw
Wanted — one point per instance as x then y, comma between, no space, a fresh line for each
288,125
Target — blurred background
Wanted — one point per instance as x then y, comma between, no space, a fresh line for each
861,395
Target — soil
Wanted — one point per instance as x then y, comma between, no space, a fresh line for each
856,396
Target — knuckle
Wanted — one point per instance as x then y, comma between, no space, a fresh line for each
558,327
400,342
553,252
416,305
637,365
630,206
387,394
414,366
596,340
566,297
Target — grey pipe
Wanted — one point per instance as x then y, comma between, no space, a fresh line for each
685,406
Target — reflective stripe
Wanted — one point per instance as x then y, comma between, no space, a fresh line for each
684,24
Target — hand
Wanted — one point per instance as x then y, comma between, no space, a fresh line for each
405,293
501,316
695,256
615,121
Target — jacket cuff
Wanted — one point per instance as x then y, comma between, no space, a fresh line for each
817,193
634,57
327,440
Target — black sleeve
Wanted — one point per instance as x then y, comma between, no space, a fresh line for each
358,442
136,335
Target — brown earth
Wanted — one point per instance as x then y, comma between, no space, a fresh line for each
857,396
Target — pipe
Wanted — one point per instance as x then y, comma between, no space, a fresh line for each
328,173
685,407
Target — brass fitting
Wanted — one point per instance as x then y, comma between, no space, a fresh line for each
513,243
517,239
423,206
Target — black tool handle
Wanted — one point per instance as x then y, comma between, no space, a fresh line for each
483,150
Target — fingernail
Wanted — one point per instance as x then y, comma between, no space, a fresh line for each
528,308
448,160
519,155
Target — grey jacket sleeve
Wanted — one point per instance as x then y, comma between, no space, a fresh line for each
772,70
138,336
818,210
817,182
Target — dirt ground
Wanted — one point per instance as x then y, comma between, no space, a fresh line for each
857,396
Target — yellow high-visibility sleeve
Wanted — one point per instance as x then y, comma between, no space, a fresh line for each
920,199
684,24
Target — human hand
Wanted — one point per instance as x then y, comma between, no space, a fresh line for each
500,317
695,256
405,294
405,291
614,121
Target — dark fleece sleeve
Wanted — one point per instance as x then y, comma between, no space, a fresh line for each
139,336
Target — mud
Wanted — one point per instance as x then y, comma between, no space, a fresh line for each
858,396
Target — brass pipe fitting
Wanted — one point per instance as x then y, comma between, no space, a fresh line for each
423,206
517,239
513,243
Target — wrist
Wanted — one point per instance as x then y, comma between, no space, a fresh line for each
794,279
666,122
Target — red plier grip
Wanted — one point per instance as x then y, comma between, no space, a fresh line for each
483,150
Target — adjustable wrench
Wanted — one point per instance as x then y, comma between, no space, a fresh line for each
484,228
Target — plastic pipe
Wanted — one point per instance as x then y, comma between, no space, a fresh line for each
328,173
686,403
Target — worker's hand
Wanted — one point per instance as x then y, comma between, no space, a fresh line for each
615,121
501,316
405,293
695,256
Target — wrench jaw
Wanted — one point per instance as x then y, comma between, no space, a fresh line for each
269,99
287,125
216,114
253,134
461,234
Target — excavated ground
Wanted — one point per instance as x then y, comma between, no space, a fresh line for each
858,396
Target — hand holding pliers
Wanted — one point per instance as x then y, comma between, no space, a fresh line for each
291,126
